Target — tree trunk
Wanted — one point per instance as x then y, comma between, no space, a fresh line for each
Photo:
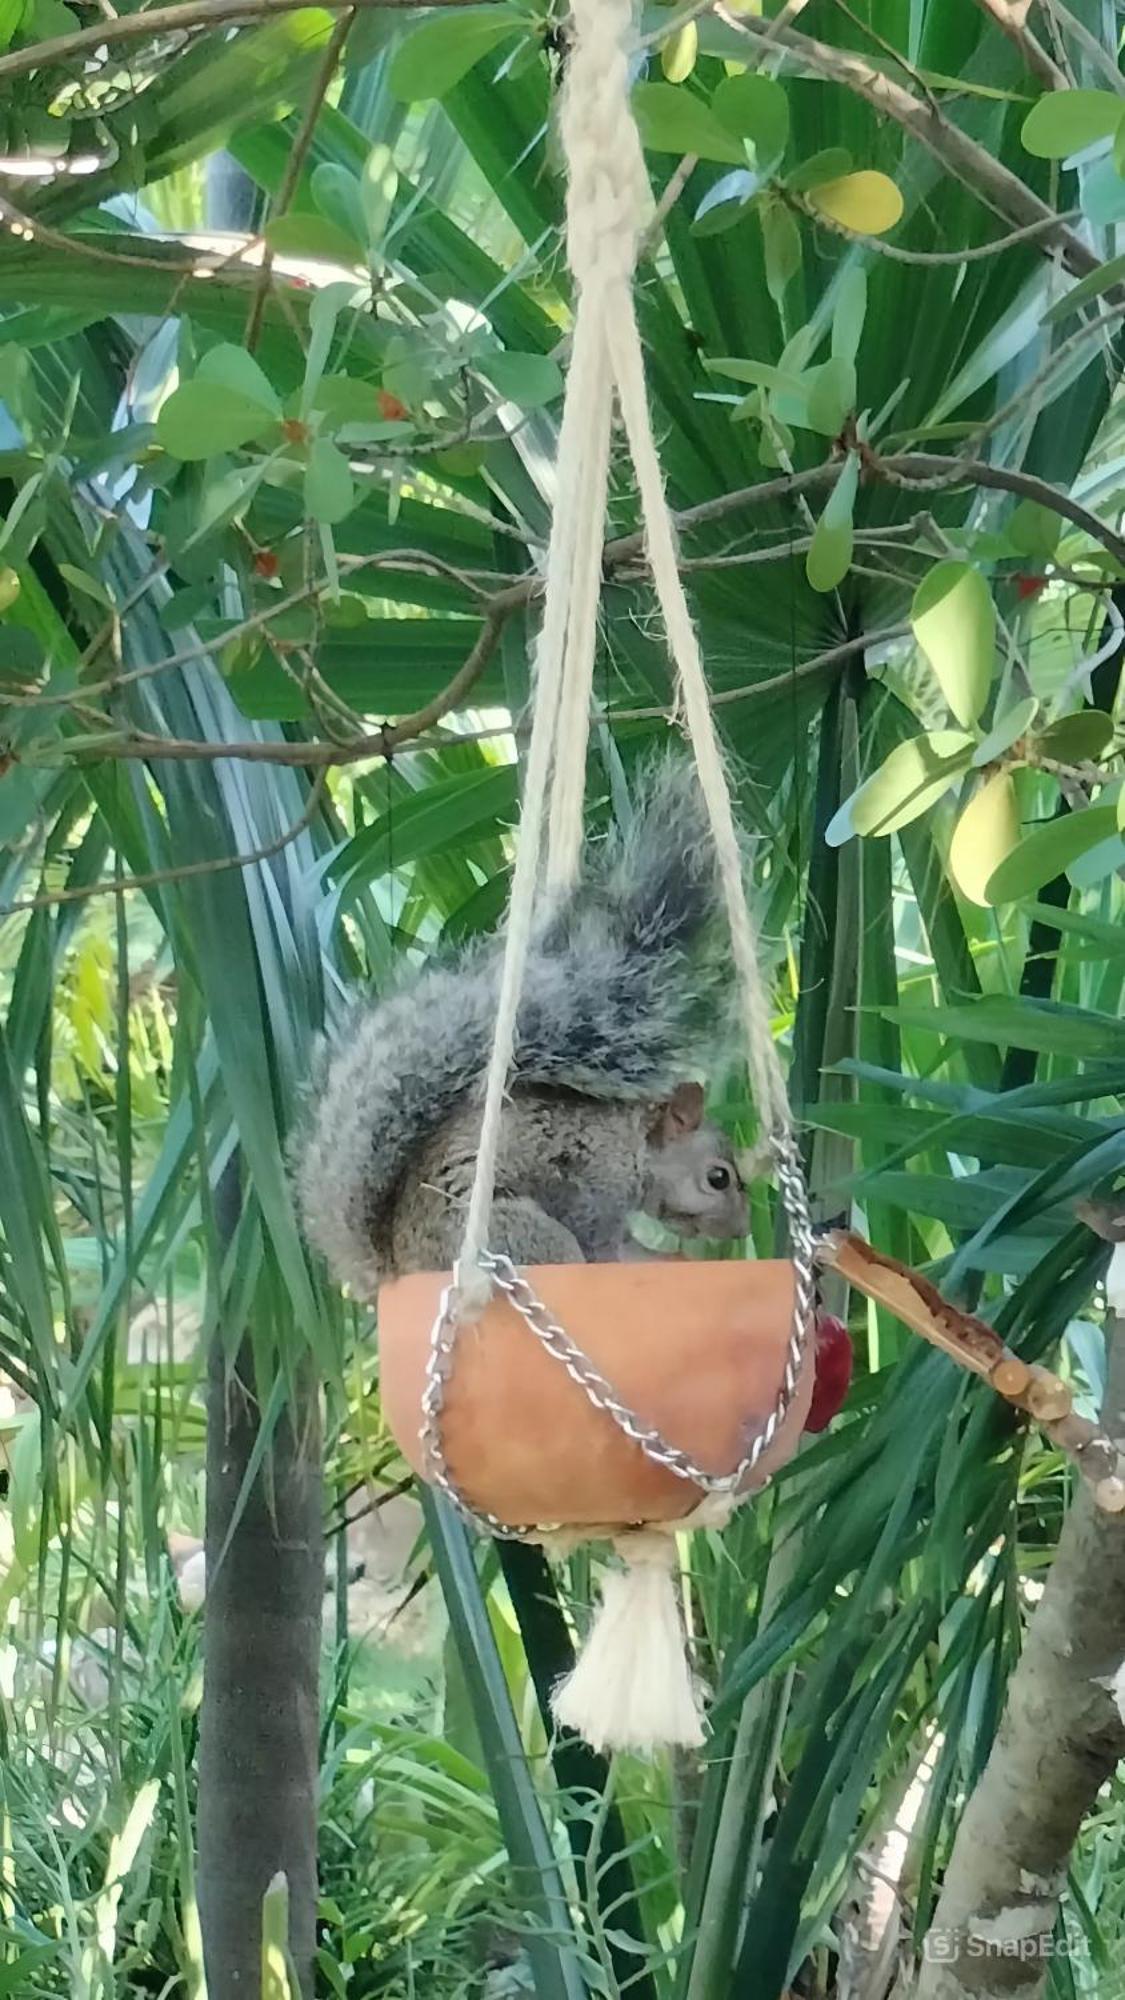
258,1751
1060,1739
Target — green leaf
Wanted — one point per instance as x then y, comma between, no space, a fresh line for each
329,303
329,492
339,198
90,586
313,236
984,836
781,243
754,107
678,54
1048,850
528,380
954,622
848,315
1112,272
202,418
1034,531
1006,730
831,394
1067,121
435,56
829,165
378,186
1121,810
9,588
672,120
907,783
1077,738
831,552
725,203
230,367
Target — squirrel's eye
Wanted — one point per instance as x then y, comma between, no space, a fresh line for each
718,1178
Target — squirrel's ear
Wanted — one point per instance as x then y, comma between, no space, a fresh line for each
683,1112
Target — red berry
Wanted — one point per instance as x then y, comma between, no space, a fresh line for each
266,563
832,1371
1029,586
391,409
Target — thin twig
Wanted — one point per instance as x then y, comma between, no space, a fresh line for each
298,153
1030,232
969,162
160,877
171,20
1012,21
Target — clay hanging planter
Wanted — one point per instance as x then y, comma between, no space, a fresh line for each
697,1351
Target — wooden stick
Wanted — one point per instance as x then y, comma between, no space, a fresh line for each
975,1345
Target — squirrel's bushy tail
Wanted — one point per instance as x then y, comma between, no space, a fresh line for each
612,1002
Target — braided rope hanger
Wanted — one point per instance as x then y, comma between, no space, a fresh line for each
608,207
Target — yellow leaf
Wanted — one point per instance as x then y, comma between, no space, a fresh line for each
867,202
984,836
678,53
735,69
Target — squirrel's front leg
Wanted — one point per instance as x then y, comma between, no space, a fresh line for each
523,1231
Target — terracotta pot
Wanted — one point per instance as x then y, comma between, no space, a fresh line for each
696,1350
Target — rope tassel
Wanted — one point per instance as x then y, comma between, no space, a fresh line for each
632,1687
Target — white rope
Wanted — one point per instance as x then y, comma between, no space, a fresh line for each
608,205
766,1074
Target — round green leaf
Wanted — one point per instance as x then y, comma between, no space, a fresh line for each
1006,730
232,368
436,55
201,419
678,54
830,165
1048,850
1106,857
1067,121
954,622
1034,531
528,380
672,120
984,836
912,779
1076,739
756,108
329,493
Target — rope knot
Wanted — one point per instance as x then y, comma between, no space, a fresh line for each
608,197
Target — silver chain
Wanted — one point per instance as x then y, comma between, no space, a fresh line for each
556,1342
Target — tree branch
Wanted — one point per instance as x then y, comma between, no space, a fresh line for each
1060,1739
969,163
1010,17
175,19
298,153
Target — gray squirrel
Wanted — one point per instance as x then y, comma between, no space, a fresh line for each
600,1123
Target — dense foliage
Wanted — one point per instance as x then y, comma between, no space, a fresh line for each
285,317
